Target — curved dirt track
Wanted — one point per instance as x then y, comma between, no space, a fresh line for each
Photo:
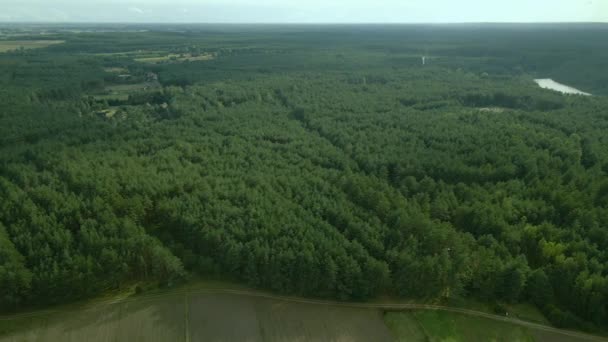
379,306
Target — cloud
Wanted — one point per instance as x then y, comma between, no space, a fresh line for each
136,10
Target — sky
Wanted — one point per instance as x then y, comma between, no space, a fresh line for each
304,11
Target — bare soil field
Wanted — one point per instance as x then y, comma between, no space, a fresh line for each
209,314
256,319
203,317
174,58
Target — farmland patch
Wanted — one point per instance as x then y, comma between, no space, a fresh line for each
175,58
9,45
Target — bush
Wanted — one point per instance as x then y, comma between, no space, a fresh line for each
138,290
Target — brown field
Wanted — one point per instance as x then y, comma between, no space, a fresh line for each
112,96
162,320
116,70
135,53
130,88
254,319
195,315
8,45
202,317
174,58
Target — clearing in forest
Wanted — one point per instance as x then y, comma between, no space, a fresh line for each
116,70
175,58
9,45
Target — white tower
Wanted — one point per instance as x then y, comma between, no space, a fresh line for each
423,60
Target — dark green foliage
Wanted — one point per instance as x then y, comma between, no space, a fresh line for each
308,162
539,289
15,278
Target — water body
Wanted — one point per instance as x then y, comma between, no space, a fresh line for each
548,83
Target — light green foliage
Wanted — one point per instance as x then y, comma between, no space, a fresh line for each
435,326
405,327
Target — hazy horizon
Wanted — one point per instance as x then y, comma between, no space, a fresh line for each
305,12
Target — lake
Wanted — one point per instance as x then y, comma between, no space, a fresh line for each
548,83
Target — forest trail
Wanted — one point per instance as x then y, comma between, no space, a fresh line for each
378,306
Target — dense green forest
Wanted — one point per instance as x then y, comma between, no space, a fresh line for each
323,161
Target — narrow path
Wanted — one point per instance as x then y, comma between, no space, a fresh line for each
379,306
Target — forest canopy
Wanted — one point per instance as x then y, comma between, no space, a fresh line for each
323,161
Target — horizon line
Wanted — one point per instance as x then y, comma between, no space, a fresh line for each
304,23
